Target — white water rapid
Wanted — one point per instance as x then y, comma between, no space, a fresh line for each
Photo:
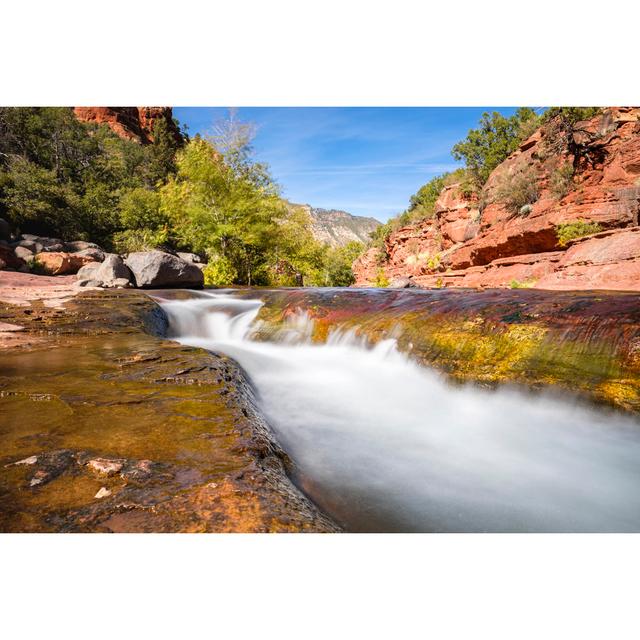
383,444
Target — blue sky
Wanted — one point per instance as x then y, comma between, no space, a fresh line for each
365,160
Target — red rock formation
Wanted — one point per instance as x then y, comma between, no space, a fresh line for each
485,242
131,123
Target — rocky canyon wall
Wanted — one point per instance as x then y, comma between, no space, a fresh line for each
131,123
588,179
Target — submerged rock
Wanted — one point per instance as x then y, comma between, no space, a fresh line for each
104,466
160,269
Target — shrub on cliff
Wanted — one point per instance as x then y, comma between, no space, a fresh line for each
518,192
572,230
381,280
561,180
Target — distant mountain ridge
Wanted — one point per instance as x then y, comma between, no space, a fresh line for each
337,228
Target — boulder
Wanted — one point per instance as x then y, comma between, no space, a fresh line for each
111,272
26,243
80,245
92,252
160,269
86,272
24,254
60,263
111,268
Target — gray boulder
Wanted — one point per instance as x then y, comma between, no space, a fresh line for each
54,247
80,245
402,283
24,254
92,252
86,272
111,272
48,243
160,269
28,243
110,269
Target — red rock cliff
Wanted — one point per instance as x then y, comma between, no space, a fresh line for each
132,123
593,177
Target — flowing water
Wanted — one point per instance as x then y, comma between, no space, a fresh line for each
383,444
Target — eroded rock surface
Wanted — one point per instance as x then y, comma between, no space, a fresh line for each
108,427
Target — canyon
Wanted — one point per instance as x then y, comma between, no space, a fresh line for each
592,181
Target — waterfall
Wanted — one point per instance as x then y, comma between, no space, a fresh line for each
383,444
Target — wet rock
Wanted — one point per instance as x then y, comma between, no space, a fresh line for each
160,269
139,470
105,466
60,263
50,465
29,460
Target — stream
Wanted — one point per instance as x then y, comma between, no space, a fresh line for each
383,444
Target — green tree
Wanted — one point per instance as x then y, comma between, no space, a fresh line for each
338,263
496,138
